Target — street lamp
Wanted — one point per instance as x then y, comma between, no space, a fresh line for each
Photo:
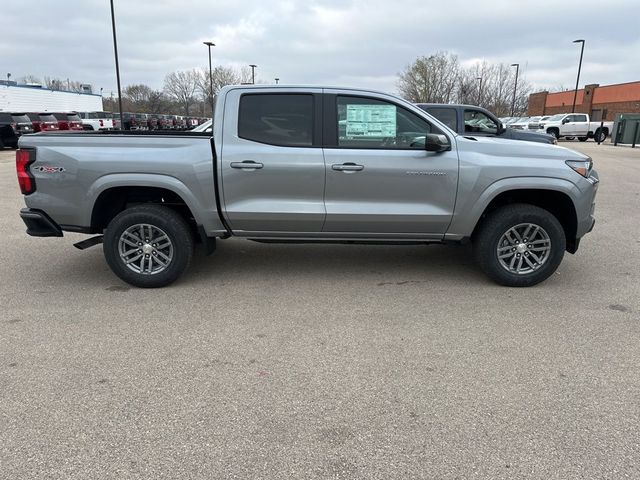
253,74
277,80
575,93
115,51
209,45
479,89
515,87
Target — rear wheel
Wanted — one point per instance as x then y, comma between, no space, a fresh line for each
519,245
148,246
600,135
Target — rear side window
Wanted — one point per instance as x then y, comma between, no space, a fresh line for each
277,119
447,116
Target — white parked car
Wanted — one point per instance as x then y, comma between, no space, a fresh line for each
520,124
570,125
97,120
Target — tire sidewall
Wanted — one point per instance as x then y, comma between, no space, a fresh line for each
163,218
502,220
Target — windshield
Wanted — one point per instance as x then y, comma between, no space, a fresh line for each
20,118
73,117
557,117
534,119
48,118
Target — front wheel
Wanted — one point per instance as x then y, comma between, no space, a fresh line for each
600,135
519,245
148,246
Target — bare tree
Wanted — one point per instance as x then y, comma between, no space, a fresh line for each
440,79
430,79
181,86
29,79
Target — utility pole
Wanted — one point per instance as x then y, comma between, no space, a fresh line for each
253,74
515,88
575,93
479,90
210,44
115,51
277,80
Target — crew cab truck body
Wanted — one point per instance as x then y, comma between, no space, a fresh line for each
470,119
308,164
575,125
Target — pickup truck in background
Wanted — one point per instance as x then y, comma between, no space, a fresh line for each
304,164
564,125
469,119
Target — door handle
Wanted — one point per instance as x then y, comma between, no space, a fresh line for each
247,165
347,167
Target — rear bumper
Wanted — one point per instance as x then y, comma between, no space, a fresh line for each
39,224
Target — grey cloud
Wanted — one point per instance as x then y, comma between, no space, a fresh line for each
354,42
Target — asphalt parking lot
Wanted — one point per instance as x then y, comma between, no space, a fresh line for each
311,361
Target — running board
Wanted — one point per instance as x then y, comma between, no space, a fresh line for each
89,242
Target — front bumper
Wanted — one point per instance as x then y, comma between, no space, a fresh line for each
39,224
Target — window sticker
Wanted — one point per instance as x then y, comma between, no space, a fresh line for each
371,121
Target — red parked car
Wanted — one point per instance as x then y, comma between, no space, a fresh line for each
68,121
43,122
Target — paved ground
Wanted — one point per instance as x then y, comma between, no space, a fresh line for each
272,361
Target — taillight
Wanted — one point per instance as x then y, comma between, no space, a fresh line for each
113,123
101,123
14,126
24,158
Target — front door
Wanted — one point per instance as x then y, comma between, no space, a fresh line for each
381,182
273,171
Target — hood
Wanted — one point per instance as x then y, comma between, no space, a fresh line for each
527,135
502,147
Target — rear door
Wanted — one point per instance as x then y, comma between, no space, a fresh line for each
273,171
381,182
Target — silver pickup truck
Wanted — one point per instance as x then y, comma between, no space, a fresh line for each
308,164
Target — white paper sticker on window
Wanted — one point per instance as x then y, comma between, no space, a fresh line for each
371,121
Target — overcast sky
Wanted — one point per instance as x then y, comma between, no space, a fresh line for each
338,42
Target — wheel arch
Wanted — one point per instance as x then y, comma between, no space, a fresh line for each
112,194
559,203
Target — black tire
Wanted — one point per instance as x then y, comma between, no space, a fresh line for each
600,135
583,139
166,220
497,223
555,132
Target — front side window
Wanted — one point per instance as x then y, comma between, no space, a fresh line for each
579,118
476,121
277,119
371,123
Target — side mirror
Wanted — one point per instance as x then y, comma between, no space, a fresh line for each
501,128
565,120
436,142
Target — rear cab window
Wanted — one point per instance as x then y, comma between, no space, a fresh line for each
283,119
448,116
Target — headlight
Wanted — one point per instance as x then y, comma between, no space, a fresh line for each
583,167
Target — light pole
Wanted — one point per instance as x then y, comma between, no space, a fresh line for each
479,90
515,87
8,78
277,80
210,44
575,93
253,74
115,51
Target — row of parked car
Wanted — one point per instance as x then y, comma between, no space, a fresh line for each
13,124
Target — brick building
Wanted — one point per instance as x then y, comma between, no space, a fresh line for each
601,103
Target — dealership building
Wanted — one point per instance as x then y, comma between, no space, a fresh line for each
600,102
